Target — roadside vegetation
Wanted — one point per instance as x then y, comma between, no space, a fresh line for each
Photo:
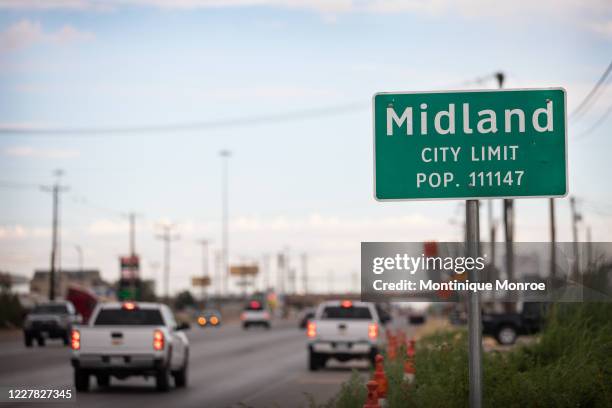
570,365
11,311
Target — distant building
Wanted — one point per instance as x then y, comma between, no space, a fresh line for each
87,278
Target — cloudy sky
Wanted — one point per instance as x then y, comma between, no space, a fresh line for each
302,183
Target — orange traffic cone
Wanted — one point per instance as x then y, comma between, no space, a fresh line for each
392,347
410,351
401,336
409,369
372,400
381,379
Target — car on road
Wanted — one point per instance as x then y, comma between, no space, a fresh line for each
507,326
130,339
255,314
343,330
209,318
50,320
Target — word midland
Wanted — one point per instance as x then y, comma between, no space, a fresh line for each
454,285
444,121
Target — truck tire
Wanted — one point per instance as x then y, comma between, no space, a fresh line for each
66,339
506,335
180,376
372,357
162,379
41,341
314,361
103,380
81,380
27,340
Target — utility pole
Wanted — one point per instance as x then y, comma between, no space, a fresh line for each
290,273
508,212
305,273
135,272
590,260
575,218
131,216
167,237
154,267
55,189
204,243
553,240
225,155
280,273
266,272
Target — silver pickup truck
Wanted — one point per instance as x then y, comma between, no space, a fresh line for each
50,320
130,339
343,330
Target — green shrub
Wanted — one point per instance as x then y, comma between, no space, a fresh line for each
570,365
11,311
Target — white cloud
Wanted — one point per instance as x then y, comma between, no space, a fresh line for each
332,7
585,13
603,28
19,232
108,227
52,4
27,151
26,33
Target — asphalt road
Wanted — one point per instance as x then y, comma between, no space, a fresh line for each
228,367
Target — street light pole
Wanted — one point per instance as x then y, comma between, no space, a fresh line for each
204,243
225,155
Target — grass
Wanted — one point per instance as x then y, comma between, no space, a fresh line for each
569,366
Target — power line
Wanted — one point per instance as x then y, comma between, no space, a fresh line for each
211,124
590,95
595,125
193,126
17,185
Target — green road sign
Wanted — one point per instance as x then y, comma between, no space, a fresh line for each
470,144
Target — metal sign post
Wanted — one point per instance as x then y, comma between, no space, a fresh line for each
472,238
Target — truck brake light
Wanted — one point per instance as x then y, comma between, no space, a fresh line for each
346,303
311,329
373,330
158,340
75,339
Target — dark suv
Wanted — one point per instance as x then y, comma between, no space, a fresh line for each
50,320
506,327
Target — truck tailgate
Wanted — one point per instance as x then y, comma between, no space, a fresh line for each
117,339
342,330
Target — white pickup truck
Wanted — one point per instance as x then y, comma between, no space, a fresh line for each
343,330
128,339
